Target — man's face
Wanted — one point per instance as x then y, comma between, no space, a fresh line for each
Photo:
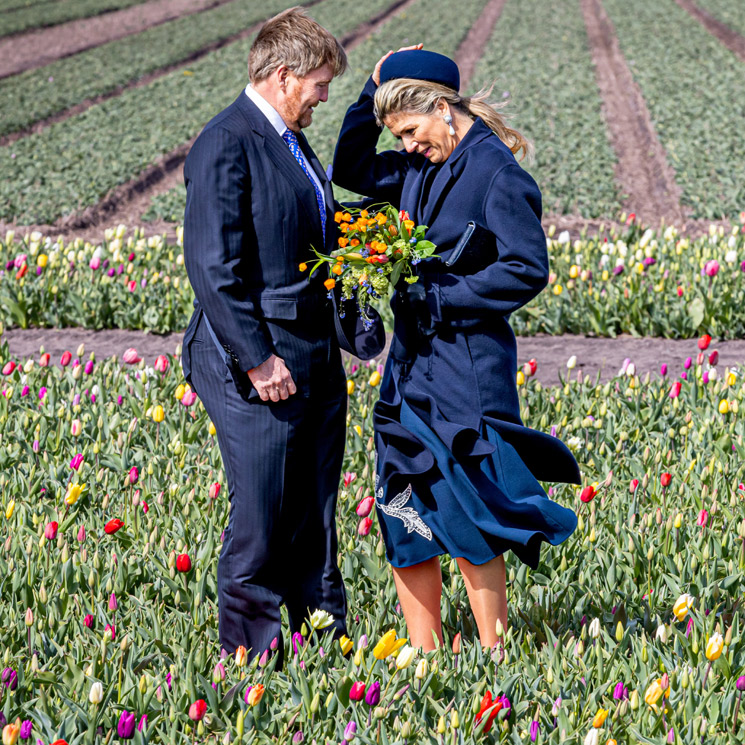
302,95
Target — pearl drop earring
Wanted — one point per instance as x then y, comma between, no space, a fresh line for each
449,121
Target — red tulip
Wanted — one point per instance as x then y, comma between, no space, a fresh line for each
357,691
714,358
215,490
633,485
587,494
113,525
161,363
197,710
364,508
65,359
183,563
50,532
704,342
8,368
675,389
45,359
134,475
364,527
665,479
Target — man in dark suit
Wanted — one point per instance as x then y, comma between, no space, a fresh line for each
262,348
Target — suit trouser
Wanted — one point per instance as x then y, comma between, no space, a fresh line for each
282,461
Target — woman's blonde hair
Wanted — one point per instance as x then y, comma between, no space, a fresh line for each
422,96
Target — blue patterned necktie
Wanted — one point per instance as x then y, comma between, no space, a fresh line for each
291,139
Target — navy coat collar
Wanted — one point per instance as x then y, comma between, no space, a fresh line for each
447,172
285,161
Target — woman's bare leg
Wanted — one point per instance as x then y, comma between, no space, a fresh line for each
486,585
419,590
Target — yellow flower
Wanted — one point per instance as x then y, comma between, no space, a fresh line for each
73,494
180,390
714,646
599,719
387,645
11,732
375,379
408,224
303,266
724,406
158,414
350,387
520,377
558,289
346,645
654,692
41,260
573,271
358,429
9,509
211,429
731,379
682,605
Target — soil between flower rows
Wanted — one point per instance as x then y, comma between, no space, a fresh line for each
594,356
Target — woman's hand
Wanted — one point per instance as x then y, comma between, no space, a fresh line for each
376,71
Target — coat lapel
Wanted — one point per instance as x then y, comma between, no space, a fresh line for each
277,149
448,175
328,193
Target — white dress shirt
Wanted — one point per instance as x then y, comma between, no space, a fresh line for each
278,123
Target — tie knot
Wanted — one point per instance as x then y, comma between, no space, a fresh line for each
289,137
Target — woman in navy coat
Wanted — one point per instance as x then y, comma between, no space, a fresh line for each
457,472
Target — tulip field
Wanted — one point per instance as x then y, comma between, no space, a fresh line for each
113,502
113,497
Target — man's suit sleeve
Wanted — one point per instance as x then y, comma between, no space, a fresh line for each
215,222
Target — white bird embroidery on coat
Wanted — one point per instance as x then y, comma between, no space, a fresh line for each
408,515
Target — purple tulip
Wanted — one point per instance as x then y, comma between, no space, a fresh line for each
688,363
126,726
143,723
350,731
10,678
297,738
76,462
113,605
741,683
372,697
88,369
297,642
617,270
3,720
534,726
620,692
26,728
663,369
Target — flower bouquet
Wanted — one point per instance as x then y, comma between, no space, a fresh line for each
377,247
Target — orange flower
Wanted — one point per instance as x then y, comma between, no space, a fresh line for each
381,248
343,242
347,217
393,230
344,227
329,284
354,243
340,259
338,216
303,266
381,218
364,213
408,224
336,269
255,695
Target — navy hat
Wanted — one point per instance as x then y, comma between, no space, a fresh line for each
421,65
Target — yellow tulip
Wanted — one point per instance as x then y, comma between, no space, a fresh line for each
573,271
375,379
599,719
682,605
558,289
654,692
73,494
520,377
731,379
350,387
387,645
41,260
211,429
180,390
714,646
346,645
358,657
724,406
158,414
358,429
9,509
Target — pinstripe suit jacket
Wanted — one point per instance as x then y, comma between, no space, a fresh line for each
251,217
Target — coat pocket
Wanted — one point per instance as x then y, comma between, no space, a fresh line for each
279,308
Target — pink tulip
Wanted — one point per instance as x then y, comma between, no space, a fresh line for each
95,263
364,527
711,268
349,478
134,475
364,508
8,368
161,363
81,534
88,369
675,389
76,461
703,517
131,357
50,532
189,397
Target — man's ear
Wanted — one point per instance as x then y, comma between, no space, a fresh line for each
281,74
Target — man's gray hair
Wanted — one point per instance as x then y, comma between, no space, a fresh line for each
294,39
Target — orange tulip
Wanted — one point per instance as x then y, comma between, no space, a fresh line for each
329,284
255,695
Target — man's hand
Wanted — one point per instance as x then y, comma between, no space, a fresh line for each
272,380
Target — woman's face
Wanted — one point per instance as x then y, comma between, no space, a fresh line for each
426,134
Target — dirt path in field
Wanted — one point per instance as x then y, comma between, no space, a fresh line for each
126,203
139,83
730,38
471,48
594,356
643,171
37,48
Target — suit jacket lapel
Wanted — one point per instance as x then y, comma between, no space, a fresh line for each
328,193
277,149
